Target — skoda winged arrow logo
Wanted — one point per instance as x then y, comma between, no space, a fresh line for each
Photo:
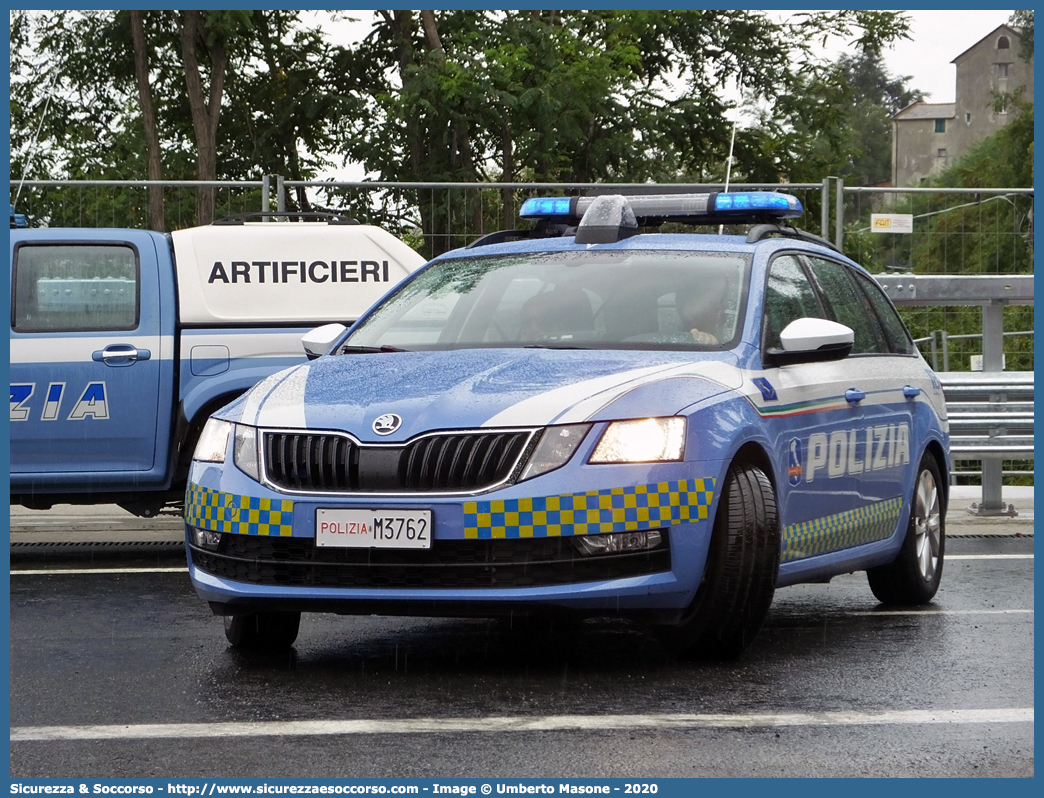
387,424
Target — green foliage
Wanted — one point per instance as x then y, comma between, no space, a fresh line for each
840,121
72,77
1022,21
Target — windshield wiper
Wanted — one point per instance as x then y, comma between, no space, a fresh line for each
554,346
348,349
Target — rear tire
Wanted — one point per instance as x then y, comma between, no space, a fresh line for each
263,630
739,578
913,576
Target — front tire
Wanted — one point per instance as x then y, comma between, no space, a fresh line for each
268,631
739,578
913,576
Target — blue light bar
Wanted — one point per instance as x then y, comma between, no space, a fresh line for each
544,207
744,201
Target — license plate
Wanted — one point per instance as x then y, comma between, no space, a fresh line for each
379,529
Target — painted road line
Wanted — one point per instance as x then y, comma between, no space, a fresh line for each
989,556
659,723
65,571
939,612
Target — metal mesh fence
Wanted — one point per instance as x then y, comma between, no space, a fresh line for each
438,217
99,203
953,231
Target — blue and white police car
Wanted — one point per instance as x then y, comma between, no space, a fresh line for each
589,417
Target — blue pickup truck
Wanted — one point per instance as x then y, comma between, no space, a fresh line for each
123,342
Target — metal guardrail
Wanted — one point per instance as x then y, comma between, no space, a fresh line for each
991,419
991,415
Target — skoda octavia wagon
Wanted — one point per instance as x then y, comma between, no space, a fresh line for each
589,417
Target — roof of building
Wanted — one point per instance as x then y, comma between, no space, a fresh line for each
1006,29
921,110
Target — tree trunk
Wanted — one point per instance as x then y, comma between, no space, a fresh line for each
148,114
461,138
205,112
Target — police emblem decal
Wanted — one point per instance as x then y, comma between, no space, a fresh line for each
794,466
768,393
387,424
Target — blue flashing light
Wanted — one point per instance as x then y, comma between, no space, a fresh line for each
540,207
18,219
757,201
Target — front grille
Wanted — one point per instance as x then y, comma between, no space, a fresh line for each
310,462
516,563
467,461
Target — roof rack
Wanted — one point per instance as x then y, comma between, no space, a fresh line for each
544,229
330,218
761,231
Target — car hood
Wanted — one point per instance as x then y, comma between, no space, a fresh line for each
469,389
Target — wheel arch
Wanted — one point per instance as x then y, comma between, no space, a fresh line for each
935,449
753,453
189,430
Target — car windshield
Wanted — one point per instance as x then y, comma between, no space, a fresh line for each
586,300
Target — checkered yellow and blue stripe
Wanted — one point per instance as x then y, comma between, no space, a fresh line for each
217,511
867,524
594,512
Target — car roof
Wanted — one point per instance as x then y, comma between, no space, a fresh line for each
679,242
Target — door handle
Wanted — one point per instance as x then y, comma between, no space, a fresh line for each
120,355
910,391
855,396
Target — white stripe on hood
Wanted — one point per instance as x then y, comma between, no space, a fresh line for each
581,400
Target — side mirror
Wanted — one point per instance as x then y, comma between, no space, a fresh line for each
811,341
317,342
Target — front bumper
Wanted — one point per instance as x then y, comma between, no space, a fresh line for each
502,552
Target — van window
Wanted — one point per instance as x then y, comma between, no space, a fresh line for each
75,287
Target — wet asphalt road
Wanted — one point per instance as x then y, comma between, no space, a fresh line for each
95,648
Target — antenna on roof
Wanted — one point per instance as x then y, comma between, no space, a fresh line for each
39,127
728,169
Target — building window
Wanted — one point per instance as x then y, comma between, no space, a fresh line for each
940,125
967,119
942,152
1002,70
1003,43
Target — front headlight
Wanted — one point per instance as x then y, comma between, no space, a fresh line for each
245,451
644,440
213,441
556,446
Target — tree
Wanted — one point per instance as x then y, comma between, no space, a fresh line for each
860,147
467,95
96,73
581,96
1022,21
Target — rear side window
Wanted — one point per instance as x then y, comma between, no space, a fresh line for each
848,306
788,296
898,336
75,287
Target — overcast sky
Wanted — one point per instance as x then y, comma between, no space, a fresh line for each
936,38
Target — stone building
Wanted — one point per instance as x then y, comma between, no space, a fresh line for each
927,137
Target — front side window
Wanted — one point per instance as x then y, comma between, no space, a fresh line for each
847,306
596,300
788,297
75,287
899,339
